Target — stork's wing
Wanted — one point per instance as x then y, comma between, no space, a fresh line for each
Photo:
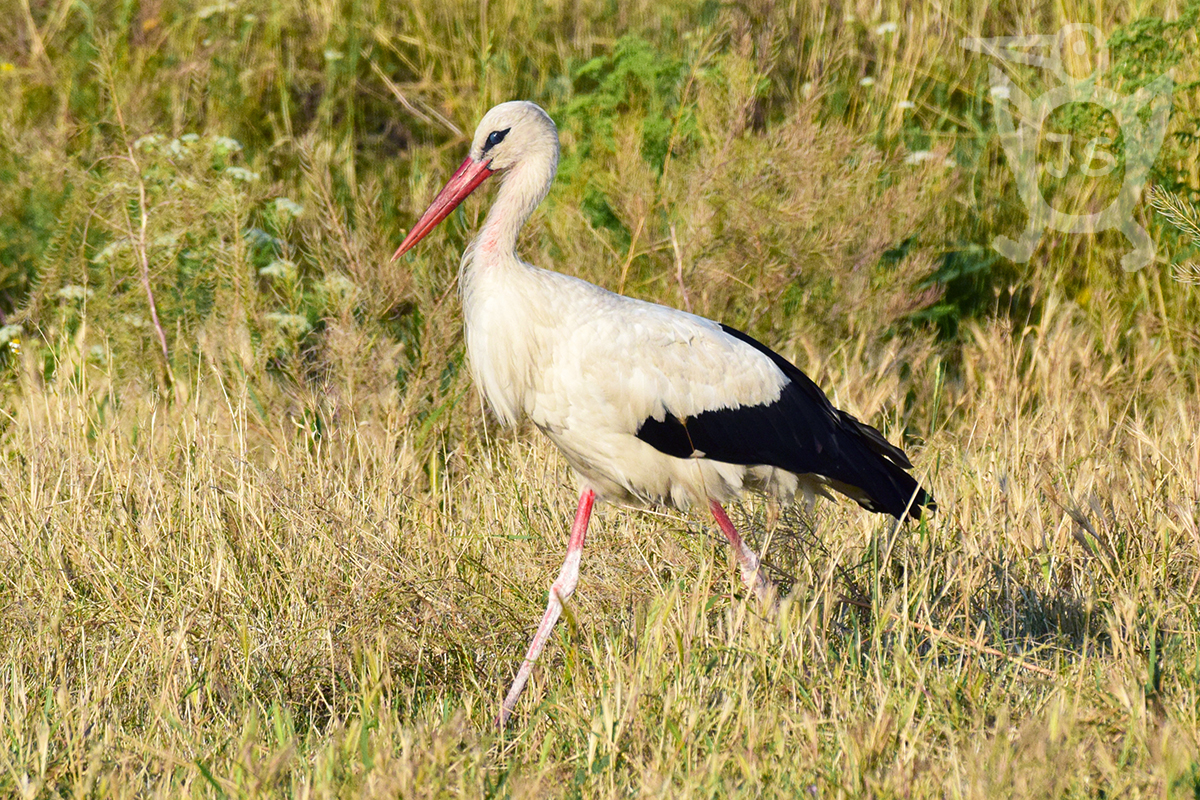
800,432
629,361
690,387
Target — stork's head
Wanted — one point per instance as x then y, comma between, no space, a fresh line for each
517,136
515,132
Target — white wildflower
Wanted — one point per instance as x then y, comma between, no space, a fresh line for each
867,81
10,333
921,156
110,250
338,285
287,207
226,144
241,174
885,28
906,105
1000,91
216,8
280,268
148,142
257,237
293,324
73,292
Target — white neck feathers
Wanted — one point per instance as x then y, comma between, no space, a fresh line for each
522,187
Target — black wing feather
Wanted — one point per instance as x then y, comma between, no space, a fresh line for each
800,432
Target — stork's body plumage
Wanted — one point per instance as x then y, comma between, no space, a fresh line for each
647,403
592,383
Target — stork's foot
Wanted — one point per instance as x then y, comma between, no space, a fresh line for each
763,588
753,576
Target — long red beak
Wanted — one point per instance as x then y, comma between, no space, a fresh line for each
465,179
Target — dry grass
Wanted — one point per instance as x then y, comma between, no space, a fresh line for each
197,600
294,559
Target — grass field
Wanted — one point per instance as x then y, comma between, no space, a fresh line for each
259,538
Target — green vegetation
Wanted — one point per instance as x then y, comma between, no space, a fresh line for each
257,537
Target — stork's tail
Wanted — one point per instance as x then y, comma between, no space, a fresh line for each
875,473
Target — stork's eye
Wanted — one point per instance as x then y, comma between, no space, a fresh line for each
494,138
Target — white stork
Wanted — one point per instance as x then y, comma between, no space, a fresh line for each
647,403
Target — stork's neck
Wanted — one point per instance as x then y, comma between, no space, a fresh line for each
521,189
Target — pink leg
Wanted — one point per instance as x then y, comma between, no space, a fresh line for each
560,591
752,576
